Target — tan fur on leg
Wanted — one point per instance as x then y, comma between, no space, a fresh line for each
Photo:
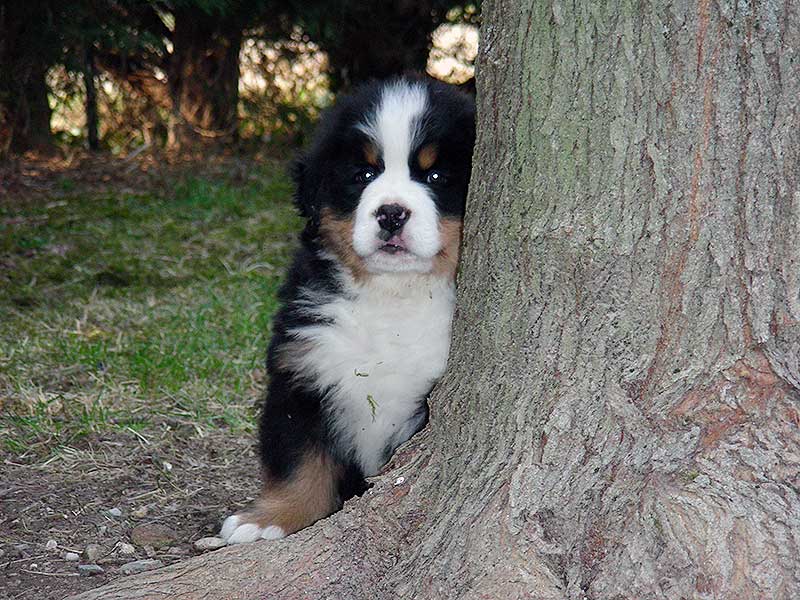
309,495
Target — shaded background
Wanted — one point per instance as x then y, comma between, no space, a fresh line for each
126,74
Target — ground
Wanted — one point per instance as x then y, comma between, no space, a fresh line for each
135,299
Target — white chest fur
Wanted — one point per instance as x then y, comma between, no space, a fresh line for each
383,346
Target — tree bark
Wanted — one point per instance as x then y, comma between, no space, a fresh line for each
620,414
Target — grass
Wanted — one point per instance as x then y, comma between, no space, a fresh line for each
134,312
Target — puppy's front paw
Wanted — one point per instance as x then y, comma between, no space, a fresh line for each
238,529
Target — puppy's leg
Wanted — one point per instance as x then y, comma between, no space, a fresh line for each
310,493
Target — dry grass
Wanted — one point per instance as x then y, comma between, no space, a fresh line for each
133,330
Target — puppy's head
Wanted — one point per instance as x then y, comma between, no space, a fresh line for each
385,181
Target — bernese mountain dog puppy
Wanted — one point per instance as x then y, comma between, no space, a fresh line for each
364,328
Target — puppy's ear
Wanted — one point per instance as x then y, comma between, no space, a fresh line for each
306,187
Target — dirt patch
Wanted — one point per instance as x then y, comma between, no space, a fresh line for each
98,493
34,178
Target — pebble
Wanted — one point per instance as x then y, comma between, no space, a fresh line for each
51,545
209,543
125,548
152,534
140,566
115,512
140,513
702,480
92,552
89,570
71,556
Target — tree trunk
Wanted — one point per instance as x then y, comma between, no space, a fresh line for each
30,108
620,414
25,56
24,60
204,75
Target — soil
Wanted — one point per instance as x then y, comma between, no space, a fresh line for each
184,483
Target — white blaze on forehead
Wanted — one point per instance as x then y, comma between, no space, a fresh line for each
395,123
394,127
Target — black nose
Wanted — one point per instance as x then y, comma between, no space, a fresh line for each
391,218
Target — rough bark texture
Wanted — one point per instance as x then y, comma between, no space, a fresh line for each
620,416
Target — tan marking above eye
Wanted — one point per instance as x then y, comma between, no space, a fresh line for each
427,156
371,154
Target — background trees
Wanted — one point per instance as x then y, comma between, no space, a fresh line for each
346,30
175,64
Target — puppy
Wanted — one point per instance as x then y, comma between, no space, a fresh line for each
363,330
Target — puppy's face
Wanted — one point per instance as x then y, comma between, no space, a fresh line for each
386,179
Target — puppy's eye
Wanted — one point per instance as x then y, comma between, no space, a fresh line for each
436,177
365,176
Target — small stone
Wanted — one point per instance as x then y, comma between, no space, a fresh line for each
140,513
115,512
71,556
33,566
51,545
89,570
209,543
2,553
140,566
92,552
153,534
702,480
125,548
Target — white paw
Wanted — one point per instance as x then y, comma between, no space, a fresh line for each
273,532
236,531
